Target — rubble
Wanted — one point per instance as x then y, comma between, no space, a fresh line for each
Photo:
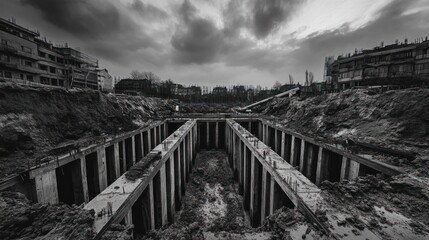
21,219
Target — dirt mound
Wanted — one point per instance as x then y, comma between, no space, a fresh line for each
397,120
21,219
34,121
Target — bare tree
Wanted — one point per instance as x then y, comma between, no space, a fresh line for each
277,85
151,77
135,74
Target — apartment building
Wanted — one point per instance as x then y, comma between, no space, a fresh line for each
403,64
26,58
105,80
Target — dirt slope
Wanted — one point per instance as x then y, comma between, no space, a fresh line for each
32,121
395,119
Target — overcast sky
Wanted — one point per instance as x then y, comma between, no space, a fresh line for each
223,42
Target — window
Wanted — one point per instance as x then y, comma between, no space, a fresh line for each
43,67
30,78
21,76
44,80
28,64
52,70
60,60
8,74
26,49
42,54
52,57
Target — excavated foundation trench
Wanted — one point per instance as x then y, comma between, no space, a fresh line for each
211,178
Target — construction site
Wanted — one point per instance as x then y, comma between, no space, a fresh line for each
80,164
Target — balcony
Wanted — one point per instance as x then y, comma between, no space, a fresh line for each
423,56
8,49
6,64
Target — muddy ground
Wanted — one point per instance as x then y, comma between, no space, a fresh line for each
36,122
391,206
213,209
21,219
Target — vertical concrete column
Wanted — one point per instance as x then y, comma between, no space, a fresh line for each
178,178
84,179
128,220
188,154
164,210
142,144
292,152
345,166
250,126
310,160
124,154
302,159
46,187
149,140
102,168
263,133
260,134
234,150
133,149
321,167
267,135
117,160
217,135
255,192
152,205
282,147
354,170
263,194
276,141
240,168
159,135
208,135
183,158
173,186
79,182
246,180
272,196
191,147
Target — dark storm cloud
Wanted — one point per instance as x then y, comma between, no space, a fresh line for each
98,24
148,11
196,40
269,15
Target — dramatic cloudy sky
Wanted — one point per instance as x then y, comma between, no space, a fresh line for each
221,42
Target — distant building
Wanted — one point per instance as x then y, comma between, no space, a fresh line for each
105,81
27,59
134,86
221,91
395,64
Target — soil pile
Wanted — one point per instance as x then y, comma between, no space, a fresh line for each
21,219
39,122
397,120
